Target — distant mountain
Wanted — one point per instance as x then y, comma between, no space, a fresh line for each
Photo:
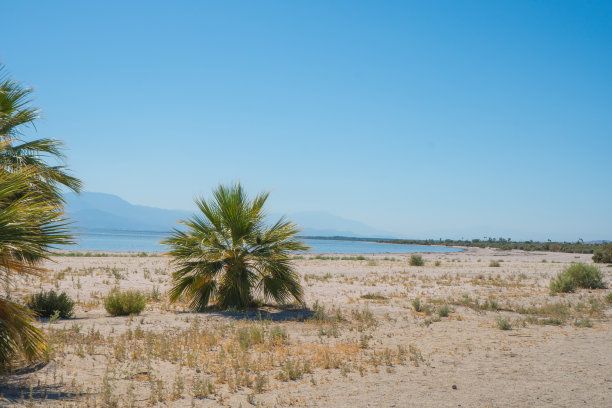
95,211
100,211
319,223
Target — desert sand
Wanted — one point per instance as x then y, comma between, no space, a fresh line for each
358,340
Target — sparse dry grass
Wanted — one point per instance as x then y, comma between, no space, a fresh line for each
368,316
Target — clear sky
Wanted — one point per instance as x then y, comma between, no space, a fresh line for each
428,119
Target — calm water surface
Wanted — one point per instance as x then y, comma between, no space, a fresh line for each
139,241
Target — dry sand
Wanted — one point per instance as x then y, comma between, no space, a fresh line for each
369,349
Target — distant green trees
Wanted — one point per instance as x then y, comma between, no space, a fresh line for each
31,213
578,247
229,254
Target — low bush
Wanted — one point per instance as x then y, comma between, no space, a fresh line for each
603,254
416,260
119,303
494,264
444,311
47,304
578,275
503,323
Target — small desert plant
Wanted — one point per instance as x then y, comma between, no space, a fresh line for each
577,275
586,322
444,311
125,303
416,303
278,335
202,388
437,263
491,304
502,323
292,370
416,260
46,304
609,298
155,294
494,264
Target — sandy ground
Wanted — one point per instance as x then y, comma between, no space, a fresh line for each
358,342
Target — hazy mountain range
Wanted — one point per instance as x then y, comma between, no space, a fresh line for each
101,211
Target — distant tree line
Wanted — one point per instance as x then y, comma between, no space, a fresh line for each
578,247
602,251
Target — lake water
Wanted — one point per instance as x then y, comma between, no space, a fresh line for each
139,241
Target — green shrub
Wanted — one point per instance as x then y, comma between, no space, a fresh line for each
503,323
494,264
609,298
444,311
416,303
46,304
577,275
125,303
416,260
437,263
603,254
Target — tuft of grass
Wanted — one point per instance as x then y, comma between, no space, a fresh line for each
502,323
416,303
437,263
578,275
609,298
374,296
48,304
416,260
444,311
292,370
494,264
278,335
119,303
155,294
556,310
586,322
202,388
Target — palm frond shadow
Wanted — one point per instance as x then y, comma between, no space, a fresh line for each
274,313
16,386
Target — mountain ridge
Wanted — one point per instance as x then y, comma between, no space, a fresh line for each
103,211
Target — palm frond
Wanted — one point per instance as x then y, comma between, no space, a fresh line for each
18,334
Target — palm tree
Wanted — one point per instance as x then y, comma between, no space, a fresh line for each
230,255
31,212
29,226
17,114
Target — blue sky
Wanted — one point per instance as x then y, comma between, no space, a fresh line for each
426,119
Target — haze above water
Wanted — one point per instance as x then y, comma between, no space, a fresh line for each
149,242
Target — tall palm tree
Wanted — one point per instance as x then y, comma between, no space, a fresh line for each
228,254
31,212
16,115
29,226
